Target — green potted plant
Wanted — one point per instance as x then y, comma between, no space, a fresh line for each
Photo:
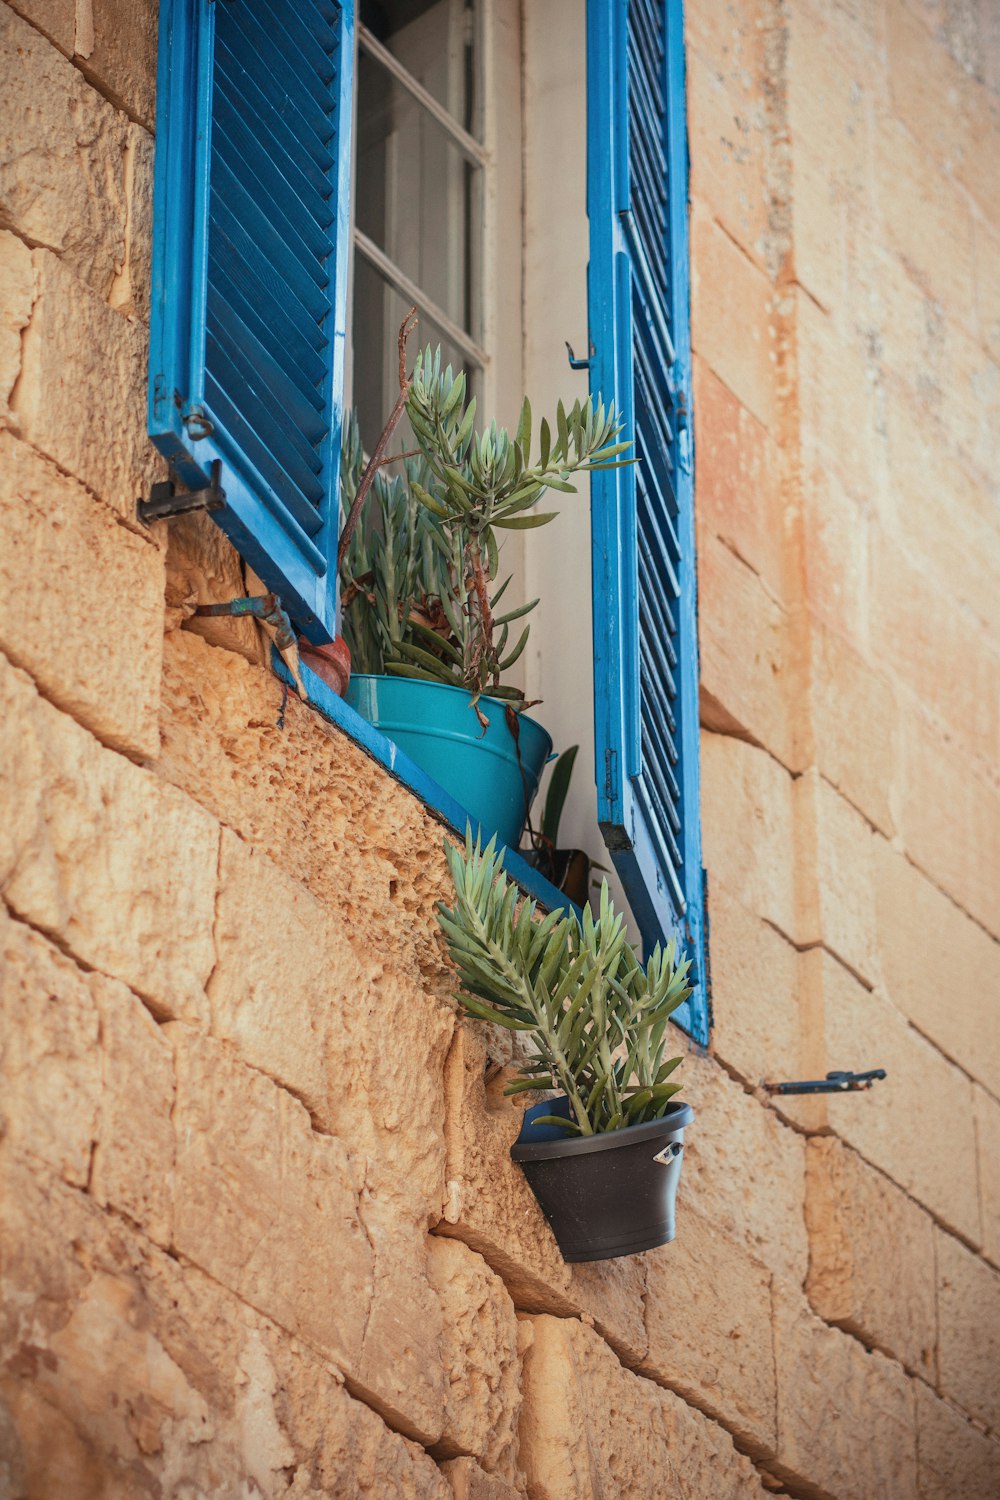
604,1156
429,638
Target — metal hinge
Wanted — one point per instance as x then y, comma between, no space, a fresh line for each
682,410
170,498
833,1083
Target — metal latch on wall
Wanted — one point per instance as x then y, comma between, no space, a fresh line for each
833,1083
171,498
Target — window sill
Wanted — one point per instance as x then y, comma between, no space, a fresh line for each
434,797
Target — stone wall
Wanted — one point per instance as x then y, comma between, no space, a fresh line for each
259,1231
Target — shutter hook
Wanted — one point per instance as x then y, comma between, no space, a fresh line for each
578,364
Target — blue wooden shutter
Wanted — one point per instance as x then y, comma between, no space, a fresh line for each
645,631
250,253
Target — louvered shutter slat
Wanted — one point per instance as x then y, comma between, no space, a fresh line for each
250,276
645,647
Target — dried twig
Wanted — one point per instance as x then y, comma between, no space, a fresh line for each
378,457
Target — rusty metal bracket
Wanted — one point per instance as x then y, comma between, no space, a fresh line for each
169,498
265,607
833,1083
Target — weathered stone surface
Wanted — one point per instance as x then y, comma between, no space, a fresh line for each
283,1217
479,1348
836,542
917,923
937,1166
299,998
81,601
968,1292
133,1163
491,1208
755,1002
728,289
845,1417
855,723
266,1206
17,296
117,52
130,290
50,1057
859,1223
590,1427
738,478
747,828
118,867
953,1457
62,180
81,398
733,1145
56,19
954,839
751,677
708,1320
126,1372
727,117
469,1482
988,1147
311,798
836,886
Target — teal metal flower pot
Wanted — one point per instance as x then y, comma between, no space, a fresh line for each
492,775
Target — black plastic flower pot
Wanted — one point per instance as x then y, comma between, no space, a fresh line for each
604,1195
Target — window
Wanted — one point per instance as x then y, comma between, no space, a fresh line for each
645,630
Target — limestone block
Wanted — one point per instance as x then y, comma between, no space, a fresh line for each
953,1457
133,1165
957,541
492,1209
837,366
734,1144
936,1166
747,828
118,867
708,1319
590,1427
855,724
871,1256
481,1359
17,296
755,1001
81,601
950,821
469,1482
728,291
918,927
118,55
845,1416
203,567
968,1293
81,398
738,476
942,656
130,291
988,1144
127,1372
311,798
986,250
751,658
266,1206
836,541
297,998
926,220
837,880
61,158
726,119
50,1060
56,19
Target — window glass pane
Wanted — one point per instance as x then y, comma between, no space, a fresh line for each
416,195
435,42
378,312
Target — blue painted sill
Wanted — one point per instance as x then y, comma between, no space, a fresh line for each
408,774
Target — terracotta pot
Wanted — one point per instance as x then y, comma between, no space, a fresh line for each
332,663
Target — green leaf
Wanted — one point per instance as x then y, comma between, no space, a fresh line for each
526,523
523,436
555,797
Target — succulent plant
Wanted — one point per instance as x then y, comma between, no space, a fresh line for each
419,580
595,1015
